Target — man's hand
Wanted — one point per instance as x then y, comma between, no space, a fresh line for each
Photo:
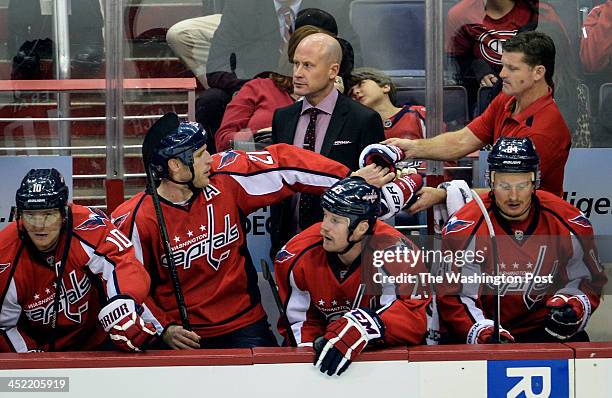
566,315
345,338
382,155
127,330
374,175
409,147
486,336
482,333
178,338
426,198
488,80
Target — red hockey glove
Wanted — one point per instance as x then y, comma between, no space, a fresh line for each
126,328
399,193
567,315
382,155
345,338
482,333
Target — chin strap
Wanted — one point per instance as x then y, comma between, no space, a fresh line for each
189,183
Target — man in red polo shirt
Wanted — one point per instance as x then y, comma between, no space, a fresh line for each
524,108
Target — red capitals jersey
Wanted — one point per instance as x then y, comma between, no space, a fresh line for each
407,123
555,242
99,257
470,31
208,239
315,291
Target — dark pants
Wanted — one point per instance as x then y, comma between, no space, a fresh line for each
257,334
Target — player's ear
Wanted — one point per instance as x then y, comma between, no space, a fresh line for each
361,230
174,165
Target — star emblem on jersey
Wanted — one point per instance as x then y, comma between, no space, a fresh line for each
455,225
581,220
189,234
71,301
47,290
321,302
208,245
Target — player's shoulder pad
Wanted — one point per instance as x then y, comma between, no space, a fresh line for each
9,243
305,240
89,222
565,211
386,237
139,205
465,219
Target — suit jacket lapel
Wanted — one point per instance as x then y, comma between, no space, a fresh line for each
287,133
336,124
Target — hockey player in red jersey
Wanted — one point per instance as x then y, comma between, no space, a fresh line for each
539,236
205,200
53,243
320,271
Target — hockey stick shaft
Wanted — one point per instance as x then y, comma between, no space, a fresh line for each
178,291
358,296
497,308
267,274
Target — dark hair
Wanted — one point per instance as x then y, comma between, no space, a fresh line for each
284,83
316,17
538,49
347,64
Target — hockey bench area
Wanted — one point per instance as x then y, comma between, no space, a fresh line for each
521,370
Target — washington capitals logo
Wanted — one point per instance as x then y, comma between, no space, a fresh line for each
455,225
283,255
582,221
228,157
120,220
95,220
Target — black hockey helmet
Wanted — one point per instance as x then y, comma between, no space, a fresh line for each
180,144
42,189
354,198
514,155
